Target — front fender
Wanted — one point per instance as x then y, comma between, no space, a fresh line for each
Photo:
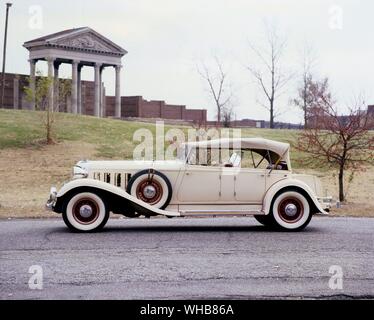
138,205
289,183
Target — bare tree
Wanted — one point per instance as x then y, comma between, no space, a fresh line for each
218,86
303,100
310,96
269,74
341,142
227,116
42,101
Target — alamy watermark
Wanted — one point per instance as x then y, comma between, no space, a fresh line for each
36,17
336,280
169,145
36,279
335,17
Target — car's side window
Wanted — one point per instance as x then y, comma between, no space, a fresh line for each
253,160
214,157
204,157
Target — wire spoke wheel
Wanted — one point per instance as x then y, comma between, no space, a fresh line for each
85,211
291,211
149,191
151,187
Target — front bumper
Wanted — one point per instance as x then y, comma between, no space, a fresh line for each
51,202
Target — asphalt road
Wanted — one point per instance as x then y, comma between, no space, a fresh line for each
187,258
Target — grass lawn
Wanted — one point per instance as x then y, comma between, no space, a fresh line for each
28,167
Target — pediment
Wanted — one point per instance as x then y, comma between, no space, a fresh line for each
87,41
81,39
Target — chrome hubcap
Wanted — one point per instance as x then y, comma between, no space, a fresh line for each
85,211
149,192
290,210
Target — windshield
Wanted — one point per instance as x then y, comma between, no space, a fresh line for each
182,153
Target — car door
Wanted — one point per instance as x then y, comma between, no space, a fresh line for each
250,185
227,192
200,184
274,176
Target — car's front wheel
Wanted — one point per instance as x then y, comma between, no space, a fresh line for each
85,212
291,211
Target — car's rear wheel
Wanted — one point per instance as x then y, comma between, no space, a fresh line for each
291,211
85,212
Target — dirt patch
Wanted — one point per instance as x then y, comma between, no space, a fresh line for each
359,192
27,175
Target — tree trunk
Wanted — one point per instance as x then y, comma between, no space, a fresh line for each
49,127
271,115
341,183
219,117
305,106
49,138
305,118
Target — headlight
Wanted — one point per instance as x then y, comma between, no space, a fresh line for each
79,173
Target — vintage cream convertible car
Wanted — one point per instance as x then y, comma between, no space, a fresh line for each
239,177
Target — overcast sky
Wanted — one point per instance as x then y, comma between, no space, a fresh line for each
166,38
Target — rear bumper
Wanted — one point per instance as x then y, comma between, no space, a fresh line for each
326,203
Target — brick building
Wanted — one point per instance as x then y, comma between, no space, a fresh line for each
131,106
371,110
243,123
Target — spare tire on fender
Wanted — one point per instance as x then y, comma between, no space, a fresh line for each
152,187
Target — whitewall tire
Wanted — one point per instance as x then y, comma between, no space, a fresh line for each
291,211
152,187
85,212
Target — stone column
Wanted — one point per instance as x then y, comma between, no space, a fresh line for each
74,87
117,112
83,98
51,86
32,82
80,88
101,92
56,85
97,89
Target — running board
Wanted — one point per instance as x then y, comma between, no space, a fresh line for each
186,213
